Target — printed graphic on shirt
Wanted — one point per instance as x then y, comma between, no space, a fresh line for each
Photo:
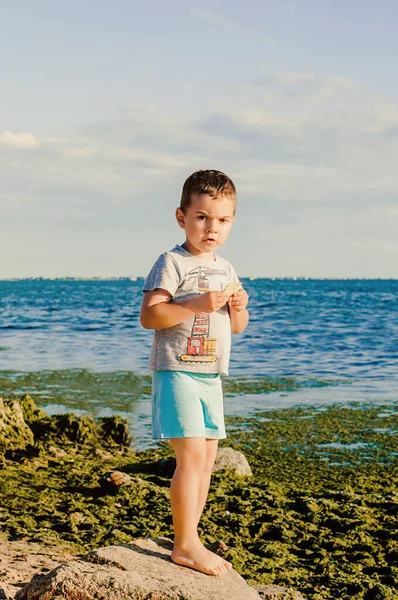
201,347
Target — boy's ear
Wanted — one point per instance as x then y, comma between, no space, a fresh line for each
180,218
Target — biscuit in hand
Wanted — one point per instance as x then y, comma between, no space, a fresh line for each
232,288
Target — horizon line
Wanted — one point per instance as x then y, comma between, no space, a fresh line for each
136,277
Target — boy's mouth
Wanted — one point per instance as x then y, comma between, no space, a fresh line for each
210,240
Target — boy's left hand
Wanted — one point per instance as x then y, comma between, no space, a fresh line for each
238,301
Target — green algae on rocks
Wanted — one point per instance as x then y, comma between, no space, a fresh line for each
119,390
319,514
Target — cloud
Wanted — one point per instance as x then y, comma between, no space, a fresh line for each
18,140
300,82
310,173
217,19
337,160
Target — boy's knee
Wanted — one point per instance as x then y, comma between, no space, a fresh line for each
191,454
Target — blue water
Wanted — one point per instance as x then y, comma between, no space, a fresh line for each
322,329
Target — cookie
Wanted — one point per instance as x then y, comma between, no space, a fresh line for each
232,288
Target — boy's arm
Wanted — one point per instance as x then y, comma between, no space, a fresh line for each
239,320
158,313
237,311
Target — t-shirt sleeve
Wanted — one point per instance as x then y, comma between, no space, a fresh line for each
164,274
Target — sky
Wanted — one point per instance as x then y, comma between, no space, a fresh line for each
106,107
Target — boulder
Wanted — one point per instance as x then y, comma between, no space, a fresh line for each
21,560
25,428
15,434
140,570
228,458
31,412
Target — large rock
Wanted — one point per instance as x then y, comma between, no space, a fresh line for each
141,570
15,434
24,426
228,458
21,560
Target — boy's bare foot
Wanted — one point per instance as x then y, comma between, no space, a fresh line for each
196,556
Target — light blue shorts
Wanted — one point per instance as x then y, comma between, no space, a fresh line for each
187,404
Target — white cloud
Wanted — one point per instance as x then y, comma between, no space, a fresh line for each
19,140
217,19
320,169
304,82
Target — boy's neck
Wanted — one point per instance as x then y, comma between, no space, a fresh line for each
192,250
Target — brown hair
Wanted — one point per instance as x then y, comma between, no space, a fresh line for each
213,183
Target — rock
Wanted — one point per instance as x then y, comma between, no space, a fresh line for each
136,571
103,454
31,412
277,592
228,458
113,480
6,591
116,430
219,547
21,560
26,429
57,452
14,432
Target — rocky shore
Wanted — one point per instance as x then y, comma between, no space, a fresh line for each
74,495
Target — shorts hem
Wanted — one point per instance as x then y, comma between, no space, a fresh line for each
185,434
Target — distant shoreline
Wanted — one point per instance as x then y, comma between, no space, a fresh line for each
251,278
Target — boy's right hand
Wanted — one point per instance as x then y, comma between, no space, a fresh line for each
207,302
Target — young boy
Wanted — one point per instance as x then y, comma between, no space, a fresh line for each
187,304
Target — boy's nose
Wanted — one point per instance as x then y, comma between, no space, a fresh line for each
212,227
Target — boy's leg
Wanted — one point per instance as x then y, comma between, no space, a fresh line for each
211,453
184,494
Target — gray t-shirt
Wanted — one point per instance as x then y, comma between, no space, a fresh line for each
201,343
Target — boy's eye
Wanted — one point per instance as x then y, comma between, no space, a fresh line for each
201,217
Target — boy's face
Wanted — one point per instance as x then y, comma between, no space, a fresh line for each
207,222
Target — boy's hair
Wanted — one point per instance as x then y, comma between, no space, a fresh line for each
213,183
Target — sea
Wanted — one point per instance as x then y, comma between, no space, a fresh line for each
77,345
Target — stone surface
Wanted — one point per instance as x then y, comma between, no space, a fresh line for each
24,426
21,560
14,432
228,458
140,570
277,592
113,480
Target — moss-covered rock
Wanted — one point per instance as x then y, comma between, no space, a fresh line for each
25,427
15,434
31,412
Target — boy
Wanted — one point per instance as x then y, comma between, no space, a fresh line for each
187,304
